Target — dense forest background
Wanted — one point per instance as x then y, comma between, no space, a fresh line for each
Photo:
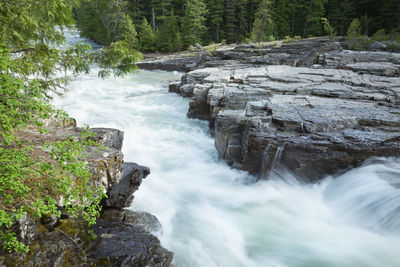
173,25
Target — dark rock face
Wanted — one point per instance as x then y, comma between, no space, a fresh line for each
123,244
149,222
121,194
111,138
315,121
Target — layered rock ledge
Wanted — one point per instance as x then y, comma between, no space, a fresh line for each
338,109
121,237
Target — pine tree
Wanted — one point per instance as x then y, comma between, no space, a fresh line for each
263,24
215,19
33,55
241,19
194,22
283,17
169,36
146,36
229,21
315,11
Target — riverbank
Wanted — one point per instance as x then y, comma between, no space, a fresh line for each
310,105
214,215
120,237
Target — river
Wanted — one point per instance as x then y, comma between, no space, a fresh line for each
213,215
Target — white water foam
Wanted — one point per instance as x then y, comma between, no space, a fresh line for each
213,215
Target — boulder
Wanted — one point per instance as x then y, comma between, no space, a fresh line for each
123,244
377,46
121,194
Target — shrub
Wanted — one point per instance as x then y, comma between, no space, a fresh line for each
328,28
211,48
354,39
35,180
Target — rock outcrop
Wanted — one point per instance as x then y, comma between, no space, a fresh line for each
175,62
333,113
122,237
363,62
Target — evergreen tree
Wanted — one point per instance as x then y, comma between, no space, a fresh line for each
229,21
37,180
315,11
283,17
146,36
263,25
241,19
340,14
215,19
194,22
161,10
169,37
232,20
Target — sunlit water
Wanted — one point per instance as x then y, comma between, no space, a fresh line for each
213,215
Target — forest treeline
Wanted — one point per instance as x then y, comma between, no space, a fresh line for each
174,25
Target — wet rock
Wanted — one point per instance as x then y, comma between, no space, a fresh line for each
313,121
121,194
123,244
149,222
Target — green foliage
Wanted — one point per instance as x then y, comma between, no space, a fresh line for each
215,19
354,29
229,21
263,24
233,20
354,39
211,48
32,181
380,36
328,28
39,178
146,36
169,37
194,22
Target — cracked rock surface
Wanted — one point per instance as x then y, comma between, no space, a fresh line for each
314,121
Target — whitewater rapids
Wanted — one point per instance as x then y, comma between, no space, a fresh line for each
213,215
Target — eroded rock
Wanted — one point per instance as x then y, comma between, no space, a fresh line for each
121,194
314,121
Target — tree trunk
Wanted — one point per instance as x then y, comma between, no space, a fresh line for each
307,17
217,33
293,24
154,21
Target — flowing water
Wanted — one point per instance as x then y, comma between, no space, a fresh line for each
213,215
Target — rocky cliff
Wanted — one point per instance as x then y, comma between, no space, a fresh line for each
308,105
120,238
